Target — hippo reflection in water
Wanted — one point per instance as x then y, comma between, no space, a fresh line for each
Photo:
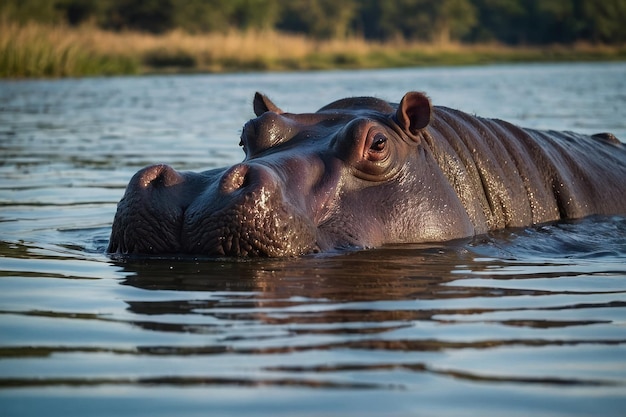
362,172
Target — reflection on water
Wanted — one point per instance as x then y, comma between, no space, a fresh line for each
518,322
492,317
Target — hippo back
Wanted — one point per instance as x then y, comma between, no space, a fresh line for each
507,176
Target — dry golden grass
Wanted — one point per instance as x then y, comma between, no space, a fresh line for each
46,51
37,50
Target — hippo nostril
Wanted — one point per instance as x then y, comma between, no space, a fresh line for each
235,178
159,176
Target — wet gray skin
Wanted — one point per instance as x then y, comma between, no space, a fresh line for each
362,172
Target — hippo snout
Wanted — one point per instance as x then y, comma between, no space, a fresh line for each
248,214
244,179
239,211
157,176
234,179
150,214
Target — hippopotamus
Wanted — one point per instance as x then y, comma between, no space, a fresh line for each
363,172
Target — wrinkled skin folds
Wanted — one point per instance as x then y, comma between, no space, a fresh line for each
362,172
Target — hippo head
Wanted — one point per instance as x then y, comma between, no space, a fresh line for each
352,174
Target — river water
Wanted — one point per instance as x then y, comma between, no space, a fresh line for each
519,322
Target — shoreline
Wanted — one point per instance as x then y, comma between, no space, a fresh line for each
40,51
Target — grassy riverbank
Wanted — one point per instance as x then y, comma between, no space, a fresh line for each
57,51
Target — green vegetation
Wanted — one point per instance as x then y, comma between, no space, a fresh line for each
512,22
55,38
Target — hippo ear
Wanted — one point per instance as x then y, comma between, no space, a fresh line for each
263,104
414,112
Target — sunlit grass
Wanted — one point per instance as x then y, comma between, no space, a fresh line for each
38,51
58,51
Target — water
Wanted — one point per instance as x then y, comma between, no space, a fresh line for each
528,321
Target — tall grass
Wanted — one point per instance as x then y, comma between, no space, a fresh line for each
43,51
36,50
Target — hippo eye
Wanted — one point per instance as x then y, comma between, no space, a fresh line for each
378,143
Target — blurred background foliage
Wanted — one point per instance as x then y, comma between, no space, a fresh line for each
511,22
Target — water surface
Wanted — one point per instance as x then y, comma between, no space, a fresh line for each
519,322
